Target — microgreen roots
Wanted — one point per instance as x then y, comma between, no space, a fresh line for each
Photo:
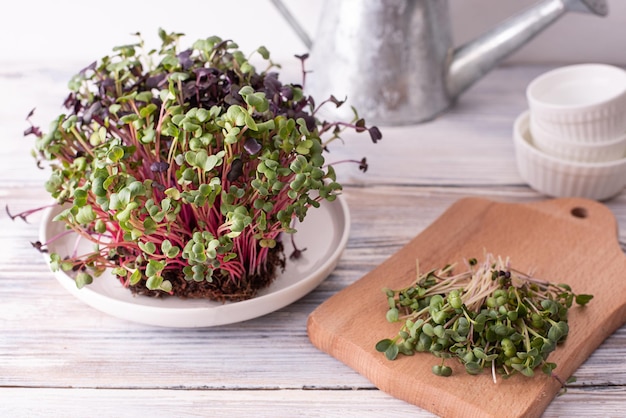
186,164
488,317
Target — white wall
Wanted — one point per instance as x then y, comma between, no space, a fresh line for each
574,38
74,30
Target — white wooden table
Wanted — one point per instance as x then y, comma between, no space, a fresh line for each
60,357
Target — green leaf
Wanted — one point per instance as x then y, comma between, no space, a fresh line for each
582,300
264,52
202,115
392,315
210,162
298,182
302,149
138,188
202,160
115,153
245,91
473,368
256,100
168,249
265,126
237,115
147,247
63,215
154,267
114,108
178,119
85,215
100,226
190,158
97,186
166,286
96,137
154,282
392,352
135,277
548,367
166,95
144,96
83,279
303,128
119,271
190,126
149,135
150,226
267,243
54,183
124,215
250,123
179,76
383,345
55,262
129,119
173,193
80,197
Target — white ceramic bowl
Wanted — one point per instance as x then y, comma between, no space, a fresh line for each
562,178
577,151
584,103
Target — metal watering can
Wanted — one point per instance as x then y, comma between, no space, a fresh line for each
395,62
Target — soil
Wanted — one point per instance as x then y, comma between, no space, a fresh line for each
222,288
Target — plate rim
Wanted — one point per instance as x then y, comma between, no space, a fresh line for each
338,210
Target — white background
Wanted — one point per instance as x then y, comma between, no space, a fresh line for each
63,31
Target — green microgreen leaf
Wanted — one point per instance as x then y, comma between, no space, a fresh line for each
135,277
83,279
147,247
583,299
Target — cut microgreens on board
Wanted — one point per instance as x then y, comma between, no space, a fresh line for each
490,316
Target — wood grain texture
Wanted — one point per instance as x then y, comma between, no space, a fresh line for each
544,237
59,357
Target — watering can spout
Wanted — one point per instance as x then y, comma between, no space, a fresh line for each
395,62
470,62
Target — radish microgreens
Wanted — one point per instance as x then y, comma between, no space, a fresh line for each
186,163
488,317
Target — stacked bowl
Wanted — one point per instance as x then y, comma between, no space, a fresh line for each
572,140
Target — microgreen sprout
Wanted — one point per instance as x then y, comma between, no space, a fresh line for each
185,167
491,316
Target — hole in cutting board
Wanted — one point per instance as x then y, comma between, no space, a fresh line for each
579,212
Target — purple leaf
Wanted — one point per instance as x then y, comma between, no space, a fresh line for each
236,170
252,146
159,166
375,134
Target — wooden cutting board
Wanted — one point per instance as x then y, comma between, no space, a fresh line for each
570,241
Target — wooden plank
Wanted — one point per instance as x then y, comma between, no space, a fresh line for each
82,344
51,343
119,403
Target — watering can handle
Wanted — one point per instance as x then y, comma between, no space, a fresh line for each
295,25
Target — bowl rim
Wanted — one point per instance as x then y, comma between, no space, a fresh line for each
552,76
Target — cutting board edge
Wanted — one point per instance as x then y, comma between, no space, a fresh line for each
324,342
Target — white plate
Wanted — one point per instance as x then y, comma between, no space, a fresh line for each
324,234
